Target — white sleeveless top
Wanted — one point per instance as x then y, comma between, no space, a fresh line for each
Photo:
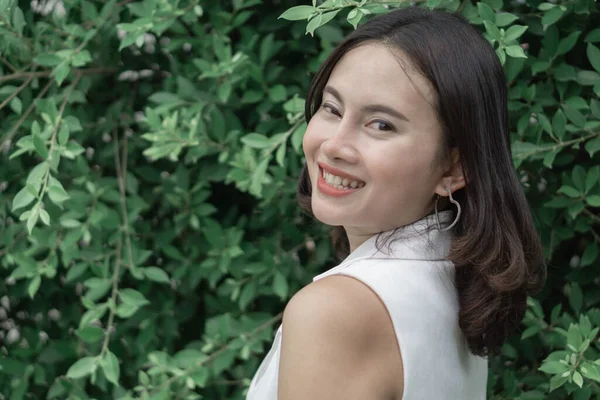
415,282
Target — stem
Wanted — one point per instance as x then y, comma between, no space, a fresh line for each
54,132
9,65
558,146
42,74
249,335
591,215
16,92
286,135
27,112
117,270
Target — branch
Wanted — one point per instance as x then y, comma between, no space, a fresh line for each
27,112
117,270
43,74
55,131
9,65
200,363
557,146
16,92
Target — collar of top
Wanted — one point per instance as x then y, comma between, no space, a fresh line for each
420,240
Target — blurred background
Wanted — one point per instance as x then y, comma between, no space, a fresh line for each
149,154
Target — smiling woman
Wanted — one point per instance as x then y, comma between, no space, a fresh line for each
407,143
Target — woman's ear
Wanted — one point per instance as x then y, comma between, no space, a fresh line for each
453,177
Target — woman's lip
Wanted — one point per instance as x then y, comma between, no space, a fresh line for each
330,190
337,172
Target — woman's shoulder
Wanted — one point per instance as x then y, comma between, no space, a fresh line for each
336,326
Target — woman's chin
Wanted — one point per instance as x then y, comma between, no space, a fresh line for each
329,218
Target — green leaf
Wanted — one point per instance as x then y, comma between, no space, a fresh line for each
44,216
593,36
60,72
298,13
578,379
126,310
592,146
247,294
593,54
552,16
504,19
22,199
591,178
34,285
576,301
110,366
47,60
90,334
133,297
256,140
280,155
280,285
164,98
18,20
515,51
590,371
590,254
557,381
156,274
40,146
553,367
33,218
82,367
574,115
593,200
566,44
492,30
544,122
294,105
354,17
313,24
559,123
485,12
297,136
531,331
81,58
579,175
57,194
546,6
278,93
515,32
595,106
570,191
16,105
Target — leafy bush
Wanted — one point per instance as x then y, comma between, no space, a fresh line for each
149,236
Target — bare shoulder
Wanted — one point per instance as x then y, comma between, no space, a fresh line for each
338,342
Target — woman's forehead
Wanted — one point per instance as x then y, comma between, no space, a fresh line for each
375,72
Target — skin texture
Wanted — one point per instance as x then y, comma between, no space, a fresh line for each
338,341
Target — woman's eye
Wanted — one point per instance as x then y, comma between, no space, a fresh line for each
330,109
382,126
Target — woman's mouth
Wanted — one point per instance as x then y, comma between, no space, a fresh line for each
335,185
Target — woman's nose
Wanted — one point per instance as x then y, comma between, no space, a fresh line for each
341,145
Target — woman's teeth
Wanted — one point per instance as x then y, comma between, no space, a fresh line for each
341,183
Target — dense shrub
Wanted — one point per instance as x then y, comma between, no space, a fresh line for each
149,237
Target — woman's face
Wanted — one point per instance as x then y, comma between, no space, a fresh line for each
381,137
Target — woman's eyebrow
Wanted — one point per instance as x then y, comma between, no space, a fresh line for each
369,108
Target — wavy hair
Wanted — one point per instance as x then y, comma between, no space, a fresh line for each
496,250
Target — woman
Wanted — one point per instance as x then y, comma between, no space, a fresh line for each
408,158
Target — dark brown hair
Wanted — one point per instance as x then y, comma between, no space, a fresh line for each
496,249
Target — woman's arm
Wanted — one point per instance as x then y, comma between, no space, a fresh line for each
338,342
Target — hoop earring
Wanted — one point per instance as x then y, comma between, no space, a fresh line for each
458,211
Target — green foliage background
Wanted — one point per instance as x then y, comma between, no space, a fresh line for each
149,152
